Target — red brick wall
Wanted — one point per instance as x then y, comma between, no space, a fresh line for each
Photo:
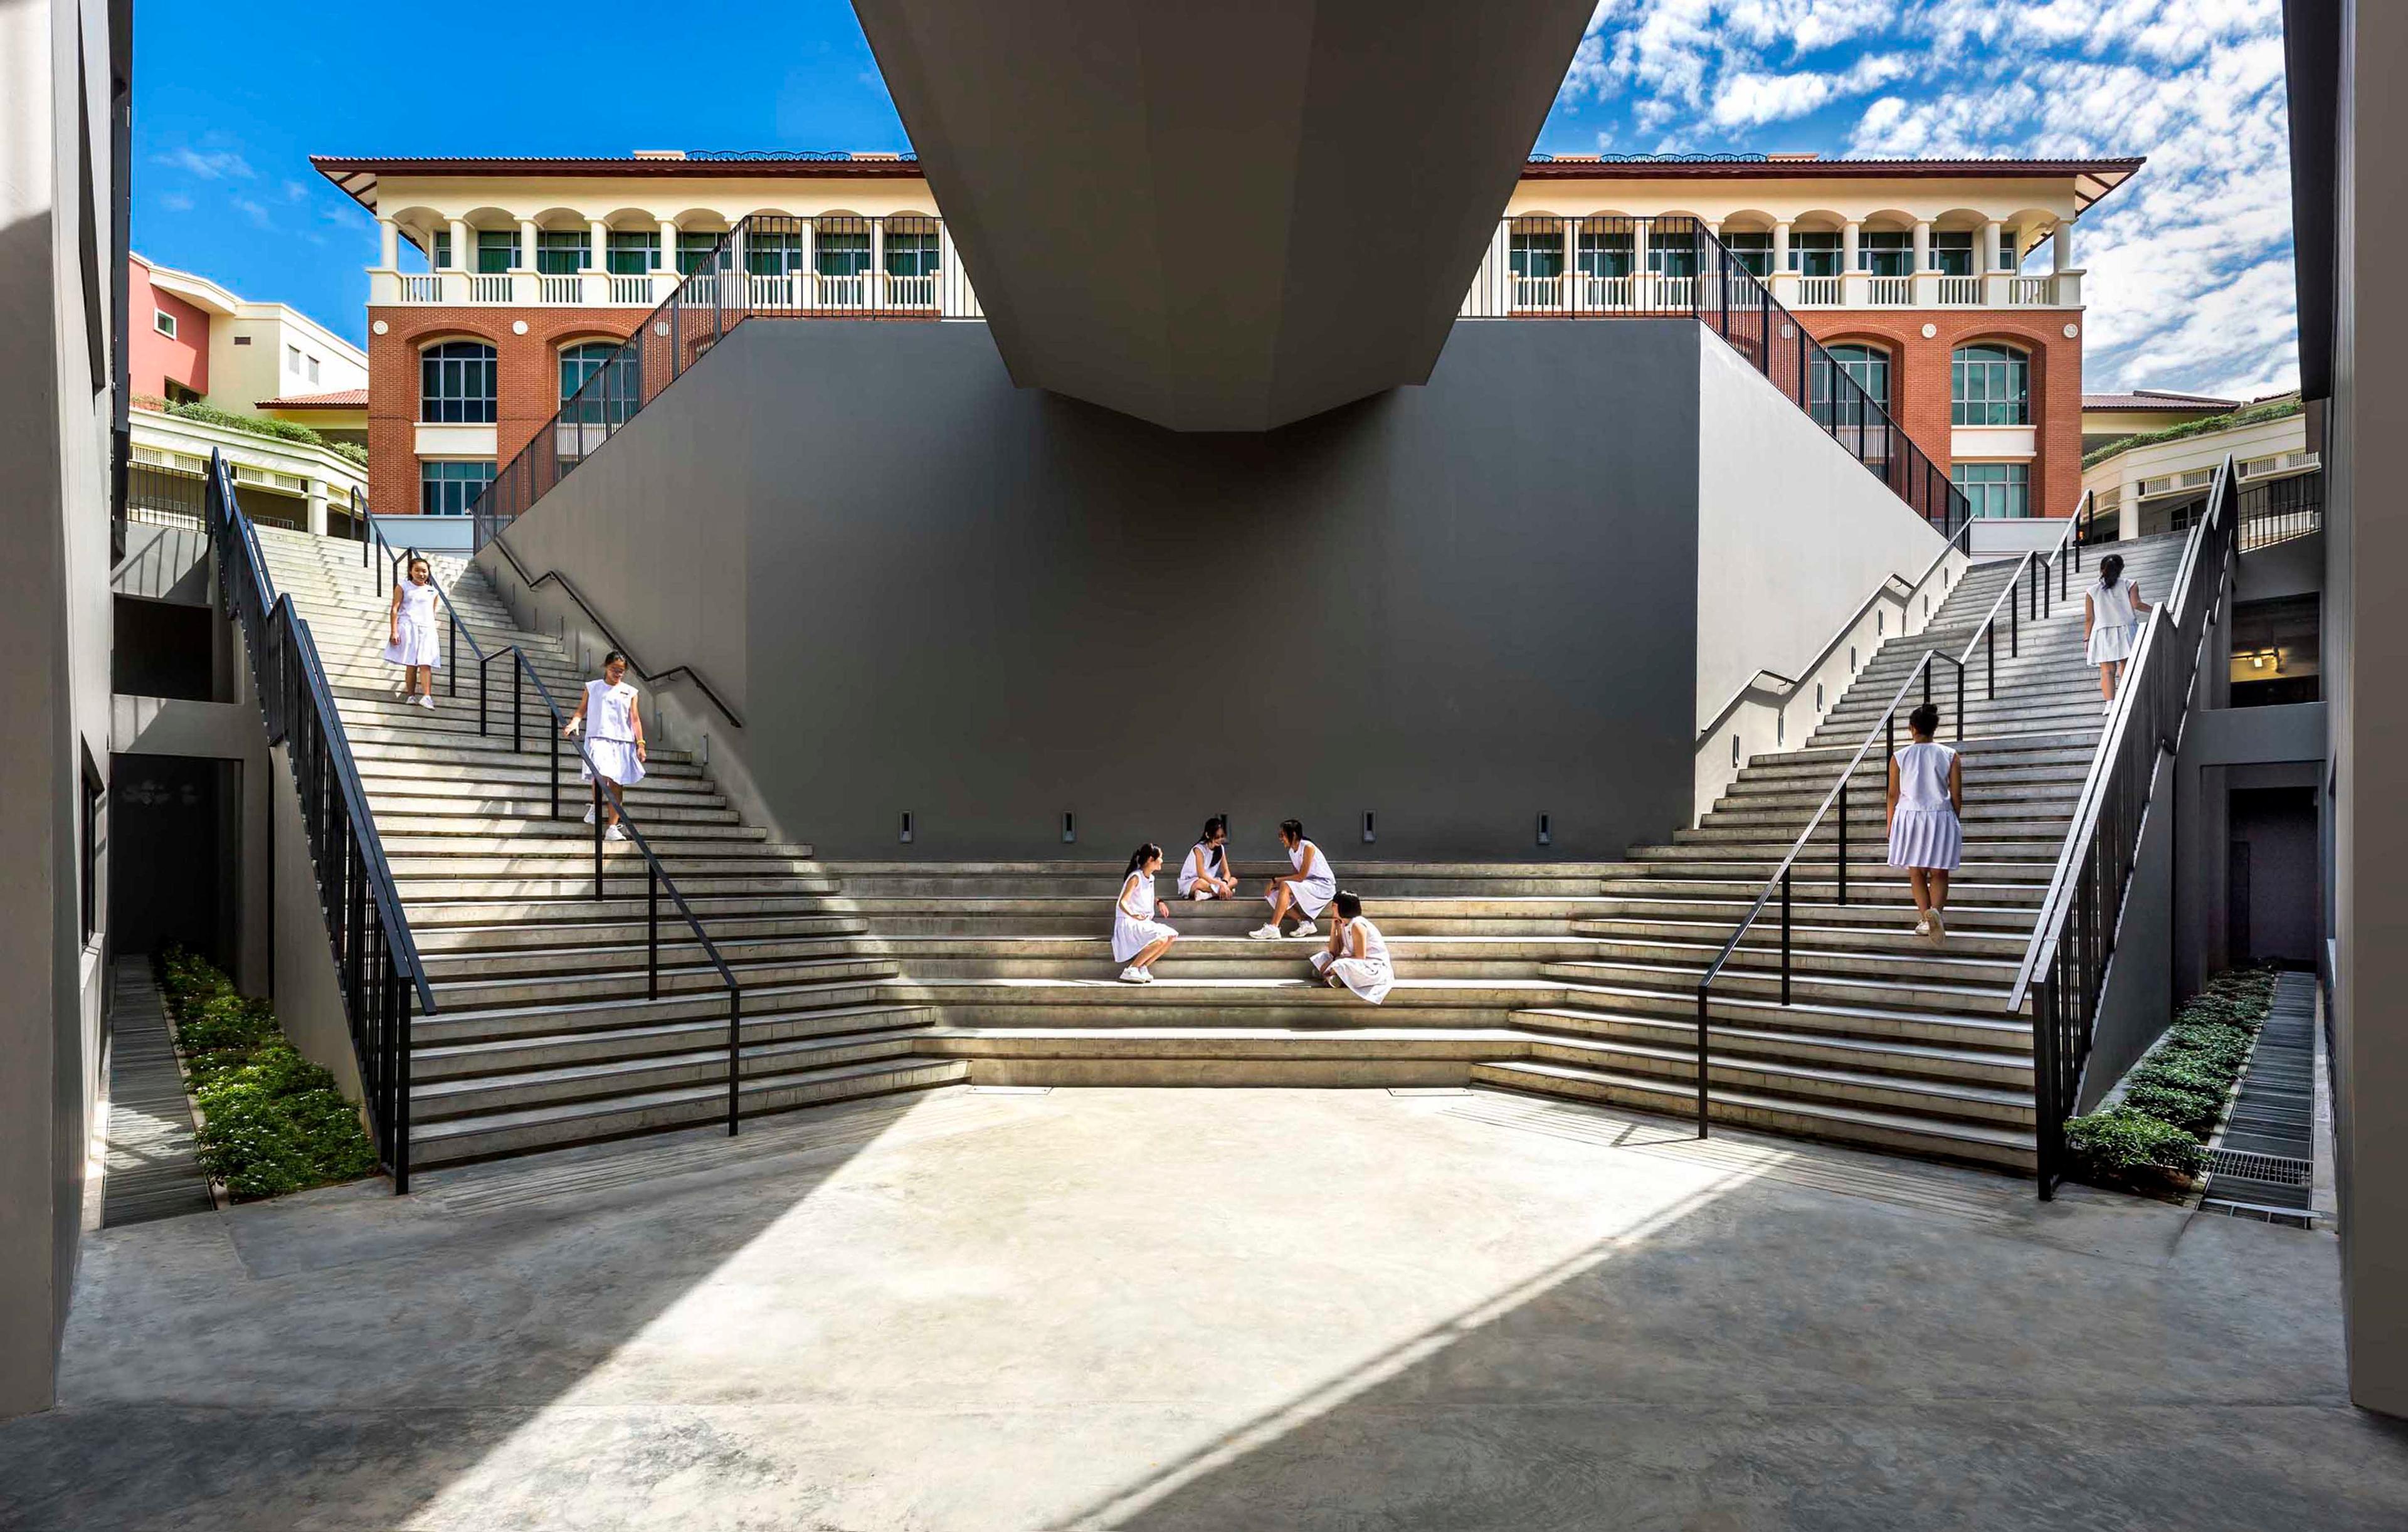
527,386
1918,381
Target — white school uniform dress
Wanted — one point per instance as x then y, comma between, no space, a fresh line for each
1368,976
1200,864
2115,627
1309,895
1925,832
420,640
611,733
1131,934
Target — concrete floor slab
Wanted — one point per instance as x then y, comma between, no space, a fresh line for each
1177,1310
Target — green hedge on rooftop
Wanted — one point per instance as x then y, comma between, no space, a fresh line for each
275,1123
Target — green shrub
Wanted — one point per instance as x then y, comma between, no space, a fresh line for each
2124,1145
273,1122
2184,1072
2192,1111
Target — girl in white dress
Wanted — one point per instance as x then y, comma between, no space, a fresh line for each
1927,831
614,739
1205,874
1309,889
1357,954
414,639
1140,936
2111,612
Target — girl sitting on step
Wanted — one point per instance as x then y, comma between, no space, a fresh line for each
2111,612
1205,874
414,642
1139,935
1308,889
614,739
1357,954
1926,831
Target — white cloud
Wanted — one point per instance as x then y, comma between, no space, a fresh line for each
2189,262
176,202
209,165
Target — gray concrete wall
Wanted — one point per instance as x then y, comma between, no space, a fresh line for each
56,294
219,731
2225,749
306,988
2366,653
2136,1000
1793,532
1457,605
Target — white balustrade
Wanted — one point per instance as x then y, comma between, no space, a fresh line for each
422,287
489,287
847,290
1600,294
1544,294
1960,290
911,292
563,287
770,289
1676,293
637,289
1891,291
1818,291
2028,290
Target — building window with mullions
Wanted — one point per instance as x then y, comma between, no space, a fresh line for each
456,384
1998,490
451,488
632,254
1989,384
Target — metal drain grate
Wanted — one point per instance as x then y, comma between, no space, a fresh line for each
2271,1169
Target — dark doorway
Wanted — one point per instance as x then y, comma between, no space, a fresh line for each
175,831
2270,889
165,649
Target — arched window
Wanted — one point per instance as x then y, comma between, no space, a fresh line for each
1989,384
600,382
1866,366
456,382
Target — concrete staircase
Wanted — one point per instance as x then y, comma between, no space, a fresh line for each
1579,978
1565,979
543,1034
1887,1040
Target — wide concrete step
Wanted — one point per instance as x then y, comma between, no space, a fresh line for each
913,916
575,858
1891,938
761,1002
1900,1132
1787,1079
678,951
485,1136
626,905
531,935
697,978
1908,959
1906,992
1331,1056
417,835
460,1062
1300,1001
606,1080
1816,877
399,814
622,878
1883,919
1940,1027
1882,1057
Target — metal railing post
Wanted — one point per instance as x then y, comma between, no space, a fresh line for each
653,929
735,1048
1785,936
1702,1130
1843,841
597,837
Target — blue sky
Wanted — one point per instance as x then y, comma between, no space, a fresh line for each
2190,283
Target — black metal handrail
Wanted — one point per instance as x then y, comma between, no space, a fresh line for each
651,678
376,959
2027,584
2064,971
656,876
757,269
1613,266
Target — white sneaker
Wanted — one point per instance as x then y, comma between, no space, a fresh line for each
614,833
426,700
2110,708
1923,927
1265,933
1135,975
589,814
1306,932
1938,928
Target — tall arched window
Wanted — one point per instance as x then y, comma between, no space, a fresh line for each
1866,366
1989,384
608,401
456,384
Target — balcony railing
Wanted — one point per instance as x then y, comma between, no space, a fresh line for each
834,263
1674,267
1541,266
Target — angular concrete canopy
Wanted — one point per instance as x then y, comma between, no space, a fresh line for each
1222,217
